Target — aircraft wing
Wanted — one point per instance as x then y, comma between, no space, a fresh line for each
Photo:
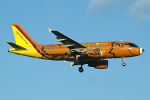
68,42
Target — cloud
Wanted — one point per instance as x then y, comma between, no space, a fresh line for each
100,3
102,6
141,9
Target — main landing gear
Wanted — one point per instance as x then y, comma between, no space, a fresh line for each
78,62
123,64
81,69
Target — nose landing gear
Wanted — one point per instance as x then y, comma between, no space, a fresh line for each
123,64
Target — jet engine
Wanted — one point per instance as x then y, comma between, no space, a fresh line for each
103,64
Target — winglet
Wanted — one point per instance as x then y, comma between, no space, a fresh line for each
49,30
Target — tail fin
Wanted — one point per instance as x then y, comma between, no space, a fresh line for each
22,38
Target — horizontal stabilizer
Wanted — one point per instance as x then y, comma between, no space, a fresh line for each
15,46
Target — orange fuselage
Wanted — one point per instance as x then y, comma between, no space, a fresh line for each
98,50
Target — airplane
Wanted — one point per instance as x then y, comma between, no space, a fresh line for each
94,54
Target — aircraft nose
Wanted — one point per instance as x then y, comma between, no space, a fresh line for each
141,51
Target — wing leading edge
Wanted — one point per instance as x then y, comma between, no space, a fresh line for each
68,42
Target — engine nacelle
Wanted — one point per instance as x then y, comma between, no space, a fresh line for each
103,64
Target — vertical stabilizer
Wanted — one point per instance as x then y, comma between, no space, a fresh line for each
22,37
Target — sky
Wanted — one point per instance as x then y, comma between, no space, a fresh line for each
25,78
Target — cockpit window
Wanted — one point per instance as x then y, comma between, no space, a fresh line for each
132,45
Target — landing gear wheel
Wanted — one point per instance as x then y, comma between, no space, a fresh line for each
123,64
80,69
